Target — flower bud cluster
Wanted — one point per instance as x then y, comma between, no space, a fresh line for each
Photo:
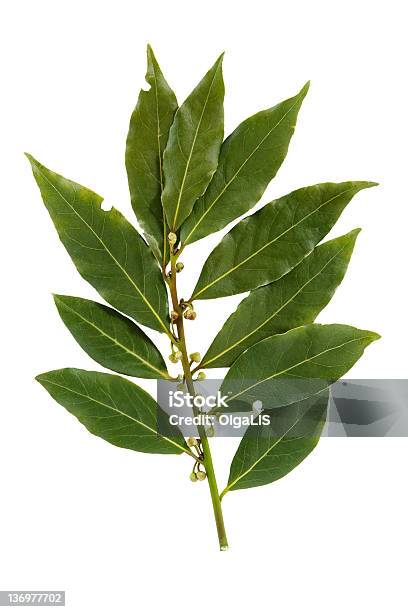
175,357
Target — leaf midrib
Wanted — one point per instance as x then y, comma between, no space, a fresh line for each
274,314
115,341
244,261
92,399
333,348
192,147
261,458
156,96
186,241
106,249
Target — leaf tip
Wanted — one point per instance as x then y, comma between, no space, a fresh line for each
369,184
219,60
150,53
30,158
355,232
57,297
304,89
371,336
36,167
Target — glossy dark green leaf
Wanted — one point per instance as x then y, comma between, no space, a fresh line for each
249,159
191,154
271,450
293,300
114,409
147,137
265,246
110,338
290,367
107,251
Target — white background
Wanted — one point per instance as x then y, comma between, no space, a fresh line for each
123,531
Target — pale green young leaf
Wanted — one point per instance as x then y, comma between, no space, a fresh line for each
269,451
290,367
147,137
111,339
107,251
191,154
266,245
249,159
293,300
114,409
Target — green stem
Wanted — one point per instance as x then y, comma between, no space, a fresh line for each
207,458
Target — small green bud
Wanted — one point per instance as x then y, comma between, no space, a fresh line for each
173,358
201,476
178,355
172,238
193,477
179,266
174,315
201,376
195,357
192,442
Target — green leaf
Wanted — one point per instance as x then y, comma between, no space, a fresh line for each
290,367
269,451
293,300
265,246
147,137
114,409
191,155
249,159
110,338
107,251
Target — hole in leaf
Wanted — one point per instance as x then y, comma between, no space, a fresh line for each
105,206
